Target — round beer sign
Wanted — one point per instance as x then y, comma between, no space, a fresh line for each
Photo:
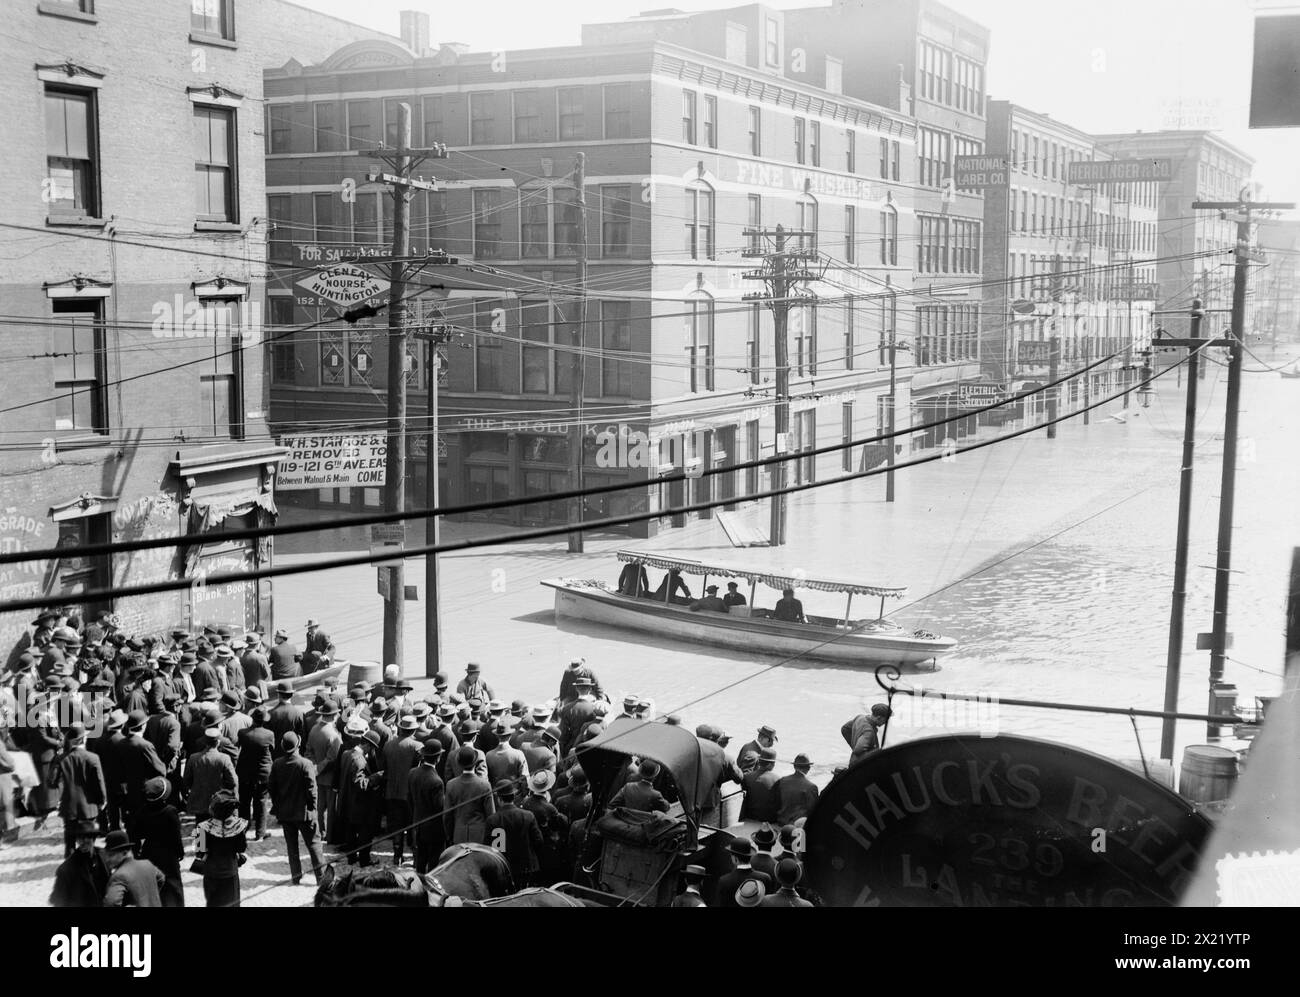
970,821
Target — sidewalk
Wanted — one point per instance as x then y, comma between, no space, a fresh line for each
27,869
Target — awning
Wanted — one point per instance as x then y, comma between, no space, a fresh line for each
207,515
776,577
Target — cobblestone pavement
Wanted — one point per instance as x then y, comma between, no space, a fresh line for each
27,869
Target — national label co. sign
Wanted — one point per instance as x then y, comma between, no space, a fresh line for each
969,821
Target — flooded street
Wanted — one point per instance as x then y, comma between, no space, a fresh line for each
1050,562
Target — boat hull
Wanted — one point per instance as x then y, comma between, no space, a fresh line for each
757,635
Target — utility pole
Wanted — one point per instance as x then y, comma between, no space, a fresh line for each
1241,211
1173,660
893,408
401,161
577,362
781,271
433,372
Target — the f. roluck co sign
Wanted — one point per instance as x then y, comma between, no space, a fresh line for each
332,462
968,821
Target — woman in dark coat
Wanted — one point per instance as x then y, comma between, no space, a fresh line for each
223,841
43,746
158,831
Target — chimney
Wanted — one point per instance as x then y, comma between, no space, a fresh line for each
415,31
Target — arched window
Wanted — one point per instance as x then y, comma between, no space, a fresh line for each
699,220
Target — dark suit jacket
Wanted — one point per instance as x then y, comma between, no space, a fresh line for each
286,717
281,661
83,792
255,754
761,799
425,788
293,788
136,883
137,762
205,675
157,828
469,804
640,796
205,773
796,795
400,756
80,881
163,731
108,746
523,840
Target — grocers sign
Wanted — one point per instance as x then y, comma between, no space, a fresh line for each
967,821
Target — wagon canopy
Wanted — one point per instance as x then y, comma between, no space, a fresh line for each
694,770
776,577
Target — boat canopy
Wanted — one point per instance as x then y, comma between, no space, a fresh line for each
777,577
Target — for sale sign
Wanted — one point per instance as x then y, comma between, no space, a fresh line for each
332,462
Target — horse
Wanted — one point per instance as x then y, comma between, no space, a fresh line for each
467,872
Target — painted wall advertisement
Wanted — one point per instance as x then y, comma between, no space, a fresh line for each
332,462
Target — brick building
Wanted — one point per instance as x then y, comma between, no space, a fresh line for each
1191,246
1078,262
688,139
135,402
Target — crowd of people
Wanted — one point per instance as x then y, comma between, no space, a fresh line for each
187,746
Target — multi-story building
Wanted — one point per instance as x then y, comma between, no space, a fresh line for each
1277,295
133,239
927,62
1063,260
1193,248
687,143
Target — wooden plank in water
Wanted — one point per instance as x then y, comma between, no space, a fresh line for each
741,533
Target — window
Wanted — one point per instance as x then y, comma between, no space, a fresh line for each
535,368
884,159
618,110
432,114
815,143
688,117
365,218
213,17
488,204
279,129
754,343
279,237
710,121
699,221
754,220
221,379
548,221
850,331
80,368
889,237
482,121
699,344
800,128
528,116
807,223
572,113
328,136
850,151
755,131
894,147
850,233
392,115
489,348
284,361
214,159
888,325
326,220
615,220
71,156
772,47
360,134
615,338
846,436
803,328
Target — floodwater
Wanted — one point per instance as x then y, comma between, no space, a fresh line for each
1050,561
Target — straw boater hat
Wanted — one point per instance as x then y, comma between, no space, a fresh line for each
540,782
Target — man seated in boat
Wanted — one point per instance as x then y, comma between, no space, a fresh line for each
789,609
710,602
633,580
673,582
733,597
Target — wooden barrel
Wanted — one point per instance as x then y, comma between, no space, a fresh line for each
1208,773
365,671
